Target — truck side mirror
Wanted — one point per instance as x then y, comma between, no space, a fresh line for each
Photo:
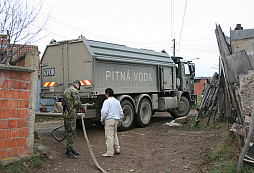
192,69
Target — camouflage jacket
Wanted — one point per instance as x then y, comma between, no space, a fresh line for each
73,102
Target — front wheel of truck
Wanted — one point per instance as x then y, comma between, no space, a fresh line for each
128,115
183,108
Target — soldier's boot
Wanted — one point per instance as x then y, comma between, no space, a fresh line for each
70,155
74,152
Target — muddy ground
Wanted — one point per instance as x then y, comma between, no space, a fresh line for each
157,148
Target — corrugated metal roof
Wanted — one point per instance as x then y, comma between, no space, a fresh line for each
116,52
241,34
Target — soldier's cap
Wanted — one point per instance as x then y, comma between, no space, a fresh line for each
76,82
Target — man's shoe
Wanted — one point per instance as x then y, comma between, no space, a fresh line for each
117,151
75,152
70,155
107,155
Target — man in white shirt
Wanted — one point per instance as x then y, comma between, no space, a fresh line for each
111,116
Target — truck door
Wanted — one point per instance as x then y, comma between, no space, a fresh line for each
52,73
188,78
166,78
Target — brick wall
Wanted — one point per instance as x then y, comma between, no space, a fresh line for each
17,108
198,86
15,88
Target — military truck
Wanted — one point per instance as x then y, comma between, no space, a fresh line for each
144,81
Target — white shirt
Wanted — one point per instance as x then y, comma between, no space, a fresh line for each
111,110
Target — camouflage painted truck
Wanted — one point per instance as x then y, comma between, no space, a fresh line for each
144,81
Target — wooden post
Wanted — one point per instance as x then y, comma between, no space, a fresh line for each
247,143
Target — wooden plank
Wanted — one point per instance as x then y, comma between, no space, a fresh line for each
237,64
222,43
247,143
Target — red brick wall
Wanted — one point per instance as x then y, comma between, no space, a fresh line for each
15,87
198,87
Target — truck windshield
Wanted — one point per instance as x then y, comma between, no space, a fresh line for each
186,69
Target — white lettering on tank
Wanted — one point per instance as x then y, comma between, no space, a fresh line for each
117,72
128,77
108,74
122,76
125,76
135,76
145,77
140,76
150,77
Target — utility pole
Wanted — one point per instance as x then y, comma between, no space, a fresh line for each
174,47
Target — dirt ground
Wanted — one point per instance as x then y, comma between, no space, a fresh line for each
157,148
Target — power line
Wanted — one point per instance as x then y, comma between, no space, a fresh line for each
54,19
182,26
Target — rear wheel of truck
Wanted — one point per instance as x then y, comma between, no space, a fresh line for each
144,115
128,115
183,108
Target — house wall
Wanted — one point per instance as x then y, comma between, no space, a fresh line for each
198,86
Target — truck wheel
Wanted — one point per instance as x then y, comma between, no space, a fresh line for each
144,113
128,115
183,108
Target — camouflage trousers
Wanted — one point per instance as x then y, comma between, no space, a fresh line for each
70,129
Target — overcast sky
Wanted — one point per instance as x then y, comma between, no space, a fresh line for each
150,24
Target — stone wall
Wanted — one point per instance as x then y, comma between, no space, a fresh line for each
246,91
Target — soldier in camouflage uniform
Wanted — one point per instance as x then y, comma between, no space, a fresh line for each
71,103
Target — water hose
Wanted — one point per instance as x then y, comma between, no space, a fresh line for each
52,133
89,146
87,141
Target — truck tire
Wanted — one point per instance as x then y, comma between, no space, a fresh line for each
128,115
144,115
183,108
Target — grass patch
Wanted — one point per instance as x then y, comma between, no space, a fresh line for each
231,166
198,103
17,167
225,167
227,149
22,166
202,124
225,156
35,161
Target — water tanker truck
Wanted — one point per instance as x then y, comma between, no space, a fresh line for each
144,81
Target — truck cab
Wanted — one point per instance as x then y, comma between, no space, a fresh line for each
185,72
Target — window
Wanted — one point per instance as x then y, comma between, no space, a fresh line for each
186,69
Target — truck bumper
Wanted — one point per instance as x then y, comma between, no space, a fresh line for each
52,114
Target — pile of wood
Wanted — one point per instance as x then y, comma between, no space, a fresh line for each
230,93
210,100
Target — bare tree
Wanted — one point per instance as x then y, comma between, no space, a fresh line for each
18,25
